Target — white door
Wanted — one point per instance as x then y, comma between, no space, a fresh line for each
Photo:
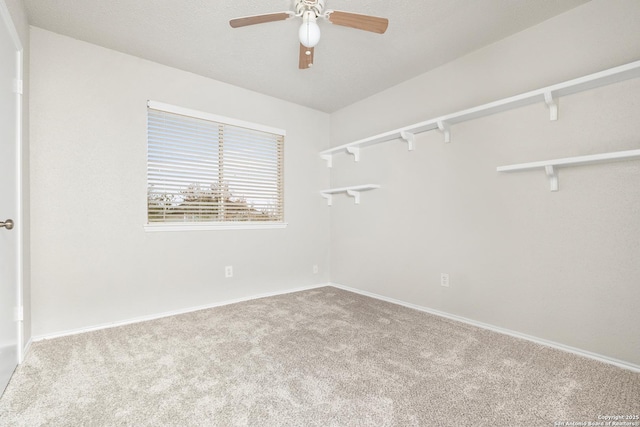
9,195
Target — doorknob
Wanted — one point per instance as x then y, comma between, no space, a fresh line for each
8,224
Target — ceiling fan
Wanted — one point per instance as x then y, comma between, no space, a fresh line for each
309,33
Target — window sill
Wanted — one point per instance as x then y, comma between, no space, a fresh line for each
211,226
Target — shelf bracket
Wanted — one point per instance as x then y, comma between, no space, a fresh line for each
409,138
444,128
355,195
553,177
328,158
329,198
355,151
552,105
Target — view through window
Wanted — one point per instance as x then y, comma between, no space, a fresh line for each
209,169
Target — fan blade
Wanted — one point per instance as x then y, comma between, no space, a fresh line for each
259,19
360,22
306,61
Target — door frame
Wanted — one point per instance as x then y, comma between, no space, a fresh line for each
18,91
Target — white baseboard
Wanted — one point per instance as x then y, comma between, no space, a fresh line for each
584,353
166,314
552,344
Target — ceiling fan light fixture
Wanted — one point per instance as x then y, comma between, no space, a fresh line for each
309,32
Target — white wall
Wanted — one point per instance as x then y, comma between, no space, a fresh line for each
92,262
560,266
19,18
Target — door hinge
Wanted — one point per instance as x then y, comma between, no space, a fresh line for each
17,86
18,314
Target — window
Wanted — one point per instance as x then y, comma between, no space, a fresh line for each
205,171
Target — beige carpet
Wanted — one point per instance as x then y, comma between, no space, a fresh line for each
323,357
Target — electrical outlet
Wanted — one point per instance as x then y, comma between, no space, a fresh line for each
444,279
315,269
228,271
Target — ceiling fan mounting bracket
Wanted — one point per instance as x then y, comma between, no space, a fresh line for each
315,6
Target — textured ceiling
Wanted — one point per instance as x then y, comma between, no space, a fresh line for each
194,35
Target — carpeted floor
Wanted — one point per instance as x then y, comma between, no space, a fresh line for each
323,357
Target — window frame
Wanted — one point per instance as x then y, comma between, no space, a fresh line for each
201,226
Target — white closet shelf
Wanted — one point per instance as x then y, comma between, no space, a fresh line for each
548,95
353,191
550,166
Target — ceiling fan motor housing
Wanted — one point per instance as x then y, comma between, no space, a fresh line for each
315,6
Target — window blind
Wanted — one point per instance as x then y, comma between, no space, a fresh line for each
207,169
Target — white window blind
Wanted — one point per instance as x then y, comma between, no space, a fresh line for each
208,169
